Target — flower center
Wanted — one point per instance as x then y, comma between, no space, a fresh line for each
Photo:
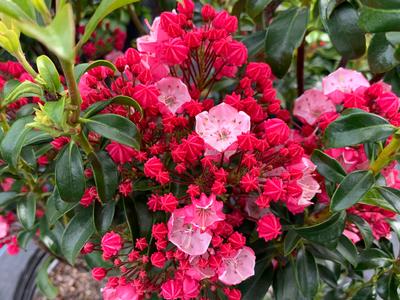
170,100
223,134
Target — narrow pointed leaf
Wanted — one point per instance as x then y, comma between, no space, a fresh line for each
350,191
49,74
116,128
122,100
348,250
26,210
306,273
77,233
103,216
70,179
327,166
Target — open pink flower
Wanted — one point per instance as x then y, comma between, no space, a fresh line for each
151,42
342,81
238,268
4,227
221,126
121,292
204,212
173,93
311,105
186,236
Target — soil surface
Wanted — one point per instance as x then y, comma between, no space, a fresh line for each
73,283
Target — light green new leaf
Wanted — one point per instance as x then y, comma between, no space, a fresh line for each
58,36
49,74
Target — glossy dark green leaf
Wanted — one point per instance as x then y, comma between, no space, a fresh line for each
283,36
48,238
56,207
70,179
257,286
24,236
327,276
391,195
37,137
256,7
353,187
348,250
374,198
386,4
116,128
343,30
365,293
49,74
26,210
105,8
43,281
123,100
379,20
393,78
328,167
306,273
11,144
291,241
103,216
105,174
255,42
364,228
357,128
381,54
325,232
7,198
284,285
373,258
77,233
131,217
29,157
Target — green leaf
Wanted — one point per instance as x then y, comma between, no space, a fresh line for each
291,241
49,74
43,282
81,69
17,10
26,210
55,111
348,250
255,42
381,54
95,259
116,128
7,198
256,7
373,258
24,89
284,286
58,36
77,233
374,198
105,174
379,20
122,100
56,207
357,128
327,166
11,144
70,179
353,187
35,137
103,216
364,229
306,273
48,238
284,35
391,195
105,8
24,236
343,30
386,4
131,218
326,232
256,287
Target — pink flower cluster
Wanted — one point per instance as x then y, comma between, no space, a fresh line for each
341,90
232,158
